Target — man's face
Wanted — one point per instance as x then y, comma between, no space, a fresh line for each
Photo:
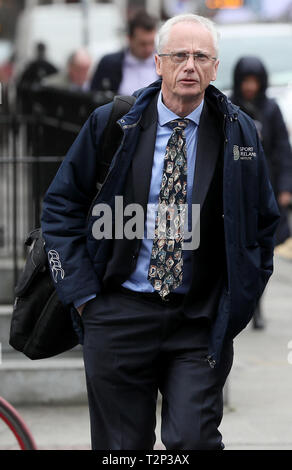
142,43
187,81
78,72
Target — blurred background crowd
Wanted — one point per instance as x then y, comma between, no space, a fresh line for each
61,59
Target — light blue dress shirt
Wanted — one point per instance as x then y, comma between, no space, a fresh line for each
137,73
138,279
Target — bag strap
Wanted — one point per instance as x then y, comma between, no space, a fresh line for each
112,134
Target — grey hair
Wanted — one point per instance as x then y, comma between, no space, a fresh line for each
164,30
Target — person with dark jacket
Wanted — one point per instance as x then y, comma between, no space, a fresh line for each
132,68
249,92
153,310
39,68
32,76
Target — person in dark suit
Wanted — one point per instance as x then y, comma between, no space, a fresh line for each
132,68
153,310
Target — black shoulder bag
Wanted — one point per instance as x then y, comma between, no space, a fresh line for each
41,325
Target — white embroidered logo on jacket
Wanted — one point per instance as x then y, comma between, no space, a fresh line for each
55,265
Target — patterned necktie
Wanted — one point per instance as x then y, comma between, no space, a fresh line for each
166,263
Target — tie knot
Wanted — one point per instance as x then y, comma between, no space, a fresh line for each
180,124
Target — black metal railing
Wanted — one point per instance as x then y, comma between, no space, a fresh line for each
32,146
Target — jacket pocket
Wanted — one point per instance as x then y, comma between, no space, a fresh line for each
87,307
248,263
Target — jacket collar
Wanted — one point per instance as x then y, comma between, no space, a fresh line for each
214,96
223,104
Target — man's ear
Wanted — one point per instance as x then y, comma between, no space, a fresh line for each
158,65
214,75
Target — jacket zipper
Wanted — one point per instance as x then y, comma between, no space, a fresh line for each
210,358
225,143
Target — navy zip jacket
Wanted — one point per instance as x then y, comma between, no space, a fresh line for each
251,215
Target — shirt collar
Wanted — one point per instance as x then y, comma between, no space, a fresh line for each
165,115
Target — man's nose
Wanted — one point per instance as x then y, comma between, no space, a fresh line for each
190,62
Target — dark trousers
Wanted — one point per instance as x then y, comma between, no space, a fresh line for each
133,347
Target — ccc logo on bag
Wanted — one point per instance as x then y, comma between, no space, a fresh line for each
55,265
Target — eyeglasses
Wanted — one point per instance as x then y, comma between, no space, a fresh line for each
181,57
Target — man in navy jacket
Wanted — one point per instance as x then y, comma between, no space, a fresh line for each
135,340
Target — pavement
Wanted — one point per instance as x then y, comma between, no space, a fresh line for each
258,412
